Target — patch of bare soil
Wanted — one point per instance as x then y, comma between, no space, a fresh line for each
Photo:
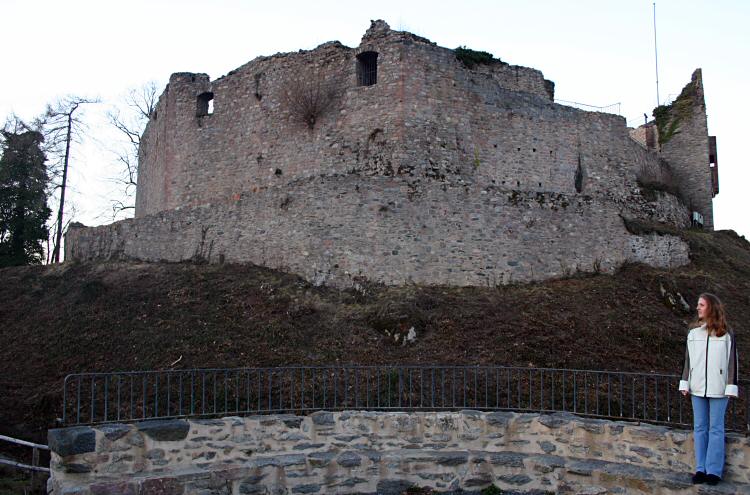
136,316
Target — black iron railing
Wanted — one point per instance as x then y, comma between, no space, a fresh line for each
90,398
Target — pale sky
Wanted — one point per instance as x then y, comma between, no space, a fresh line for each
598,52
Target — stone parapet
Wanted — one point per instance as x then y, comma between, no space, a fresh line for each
382,452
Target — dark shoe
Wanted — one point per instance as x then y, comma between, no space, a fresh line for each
712,479
699,477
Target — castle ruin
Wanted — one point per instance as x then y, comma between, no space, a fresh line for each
400,161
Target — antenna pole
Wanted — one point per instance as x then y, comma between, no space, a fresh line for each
656,60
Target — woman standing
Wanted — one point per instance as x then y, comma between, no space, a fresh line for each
710,376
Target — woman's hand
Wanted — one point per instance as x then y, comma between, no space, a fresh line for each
684,393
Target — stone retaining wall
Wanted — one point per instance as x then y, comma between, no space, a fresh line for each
386,233
381,452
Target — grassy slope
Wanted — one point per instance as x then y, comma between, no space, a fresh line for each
124,316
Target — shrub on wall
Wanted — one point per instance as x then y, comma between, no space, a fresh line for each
471,58
308,98
669,117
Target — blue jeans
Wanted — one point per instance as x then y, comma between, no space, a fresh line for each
708,428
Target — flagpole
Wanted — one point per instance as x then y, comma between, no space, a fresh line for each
656,60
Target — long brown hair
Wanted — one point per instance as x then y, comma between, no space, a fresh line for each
715,319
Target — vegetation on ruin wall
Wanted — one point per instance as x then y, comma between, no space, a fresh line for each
471,58
308,99
669,117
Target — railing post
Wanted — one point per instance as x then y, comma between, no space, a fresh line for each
35,478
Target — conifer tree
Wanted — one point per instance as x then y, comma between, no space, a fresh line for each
23,199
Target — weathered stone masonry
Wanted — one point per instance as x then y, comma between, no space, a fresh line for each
437,173
463,235
383,453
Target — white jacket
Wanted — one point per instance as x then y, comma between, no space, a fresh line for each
710,364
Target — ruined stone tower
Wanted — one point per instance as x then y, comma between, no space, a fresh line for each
400,161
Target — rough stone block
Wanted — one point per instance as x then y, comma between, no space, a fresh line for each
649,432
283,460
346,438
155,454
251,489
510,459
499,418
346,482
348,459
547,463
114,432
115,488
585,467
253,480
642,451
161,486
165,430
547,446
595,426
451,458
515,479
71,441
477,481
308,446
393,487
616,429
291,421
135,439
75,468
557,420
323,418
309,488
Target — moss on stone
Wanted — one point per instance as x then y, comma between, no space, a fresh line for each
471,58
669,117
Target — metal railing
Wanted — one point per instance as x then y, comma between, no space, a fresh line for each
36,482
90,398
614,108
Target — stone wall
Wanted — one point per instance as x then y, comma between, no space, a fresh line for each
340,230
383,453
687,148
438,173
429,118
255,138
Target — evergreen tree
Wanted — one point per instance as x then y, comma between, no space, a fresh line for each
23,199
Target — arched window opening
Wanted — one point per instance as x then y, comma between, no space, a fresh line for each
205,104
367,68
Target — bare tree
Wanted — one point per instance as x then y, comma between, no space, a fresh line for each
62,124
130,119
14,124
310,97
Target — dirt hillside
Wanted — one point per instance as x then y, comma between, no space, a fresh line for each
134,316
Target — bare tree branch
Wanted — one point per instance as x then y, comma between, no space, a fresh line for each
63,125
129,119
309,98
